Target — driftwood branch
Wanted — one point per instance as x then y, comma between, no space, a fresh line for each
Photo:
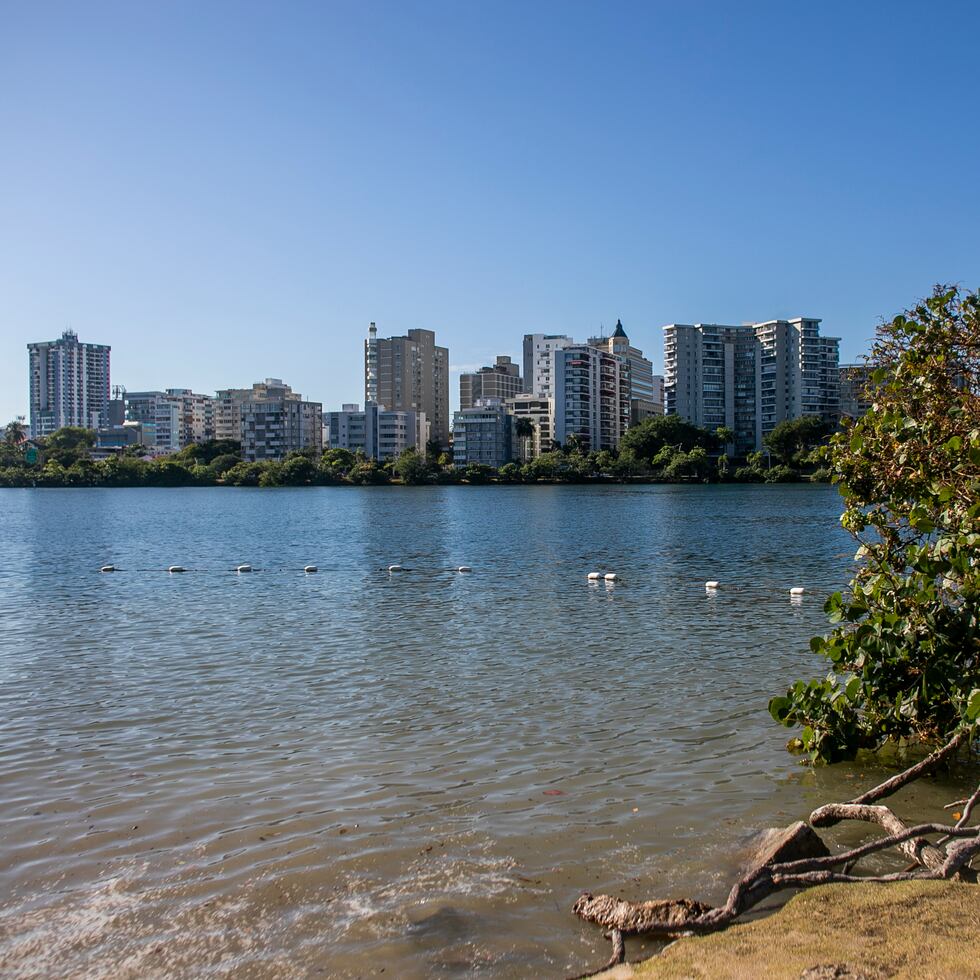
671,918
929,763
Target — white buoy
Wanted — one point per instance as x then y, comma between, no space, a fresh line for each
107,568
611,577
593,576
464,568
244,568
310,569
712,584
394,568
797,590
176,568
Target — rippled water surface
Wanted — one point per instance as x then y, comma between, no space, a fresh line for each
290,775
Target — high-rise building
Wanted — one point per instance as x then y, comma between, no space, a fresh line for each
499,382
540,413
646,388
538,351
275,421
409,374
486,433
750,377
378,433
69,384
592,396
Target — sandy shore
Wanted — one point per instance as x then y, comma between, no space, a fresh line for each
915,929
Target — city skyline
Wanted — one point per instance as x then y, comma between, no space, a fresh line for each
480,172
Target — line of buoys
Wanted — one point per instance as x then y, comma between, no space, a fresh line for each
464,569
244,568
712,585
797,590
595,576
107,568
611,577
395,568
176,568
310,569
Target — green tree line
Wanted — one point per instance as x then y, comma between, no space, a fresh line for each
659,449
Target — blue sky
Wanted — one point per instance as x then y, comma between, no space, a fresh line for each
228,191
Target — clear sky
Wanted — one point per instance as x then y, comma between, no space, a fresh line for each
229,191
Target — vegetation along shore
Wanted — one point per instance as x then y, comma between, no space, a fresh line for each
664,449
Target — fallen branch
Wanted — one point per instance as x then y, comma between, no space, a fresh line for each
929,763
667,919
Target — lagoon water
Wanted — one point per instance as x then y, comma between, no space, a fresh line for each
290,775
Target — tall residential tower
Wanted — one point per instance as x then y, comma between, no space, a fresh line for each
69,384
409,374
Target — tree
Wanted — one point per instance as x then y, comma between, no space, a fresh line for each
644,441
791,440
411,468
725,436
525,433
15,432
69,444
905,654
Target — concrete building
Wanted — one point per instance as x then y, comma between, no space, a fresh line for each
409,374
228,405
646,388
500,382
592,396
69,384
538,351
197,422
378,433
856,389
750,377
159,410
540,413
278,422
485,433
180,417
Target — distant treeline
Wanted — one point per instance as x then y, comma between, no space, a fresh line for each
660,449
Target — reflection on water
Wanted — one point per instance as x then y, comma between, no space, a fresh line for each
280,774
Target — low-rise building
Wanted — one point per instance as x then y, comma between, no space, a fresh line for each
377,432
113,439
486,434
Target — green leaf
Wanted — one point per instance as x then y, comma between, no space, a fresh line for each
973,705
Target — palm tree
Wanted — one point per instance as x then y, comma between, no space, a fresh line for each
525,432
15,432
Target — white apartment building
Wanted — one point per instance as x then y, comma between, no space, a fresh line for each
158,410
69,384
539,349
592,396
180,416
750,377
378,433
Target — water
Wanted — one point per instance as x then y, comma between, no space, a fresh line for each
292,775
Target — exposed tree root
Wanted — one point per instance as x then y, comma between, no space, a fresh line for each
949,857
